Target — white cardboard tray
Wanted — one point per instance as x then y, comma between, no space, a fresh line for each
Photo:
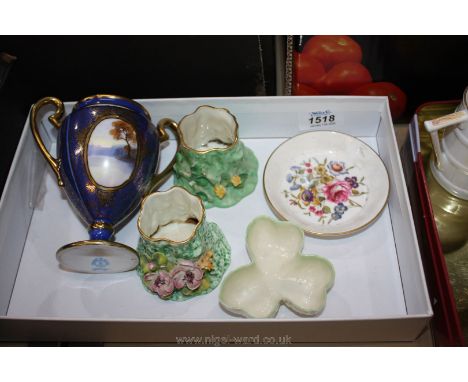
379,293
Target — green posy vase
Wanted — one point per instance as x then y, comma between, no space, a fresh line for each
212,162
181,254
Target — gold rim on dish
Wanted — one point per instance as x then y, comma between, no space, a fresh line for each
322,234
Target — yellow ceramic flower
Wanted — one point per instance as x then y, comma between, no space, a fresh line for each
220,191
236,180
206,261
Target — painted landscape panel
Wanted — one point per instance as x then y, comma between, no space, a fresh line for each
112,151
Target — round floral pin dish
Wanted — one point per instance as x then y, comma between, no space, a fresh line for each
329,183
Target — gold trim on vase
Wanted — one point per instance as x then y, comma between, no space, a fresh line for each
161,177
106,243
203,152
322,234
102,225
112,96
55,120
170,241
67,254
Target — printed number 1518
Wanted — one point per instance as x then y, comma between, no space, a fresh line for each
322,119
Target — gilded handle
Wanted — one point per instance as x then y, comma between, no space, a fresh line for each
55,120
160,178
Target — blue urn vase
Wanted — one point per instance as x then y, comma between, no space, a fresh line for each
107,154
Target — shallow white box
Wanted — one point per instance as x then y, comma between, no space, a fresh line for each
380,291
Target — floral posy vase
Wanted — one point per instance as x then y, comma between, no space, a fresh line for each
212,162
181,254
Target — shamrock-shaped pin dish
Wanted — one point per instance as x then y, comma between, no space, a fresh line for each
279,273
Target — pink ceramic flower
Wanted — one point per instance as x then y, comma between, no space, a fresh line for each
187,273
151,266
338,191
160,282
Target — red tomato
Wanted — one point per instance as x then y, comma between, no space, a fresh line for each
396,96
303,89
332,50
307,69
343,78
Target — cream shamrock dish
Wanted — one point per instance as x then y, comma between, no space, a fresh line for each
278,274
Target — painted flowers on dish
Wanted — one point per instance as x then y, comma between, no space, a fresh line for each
325,190
337,191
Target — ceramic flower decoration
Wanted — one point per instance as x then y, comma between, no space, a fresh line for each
212,162
279,273
181,255
187,274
